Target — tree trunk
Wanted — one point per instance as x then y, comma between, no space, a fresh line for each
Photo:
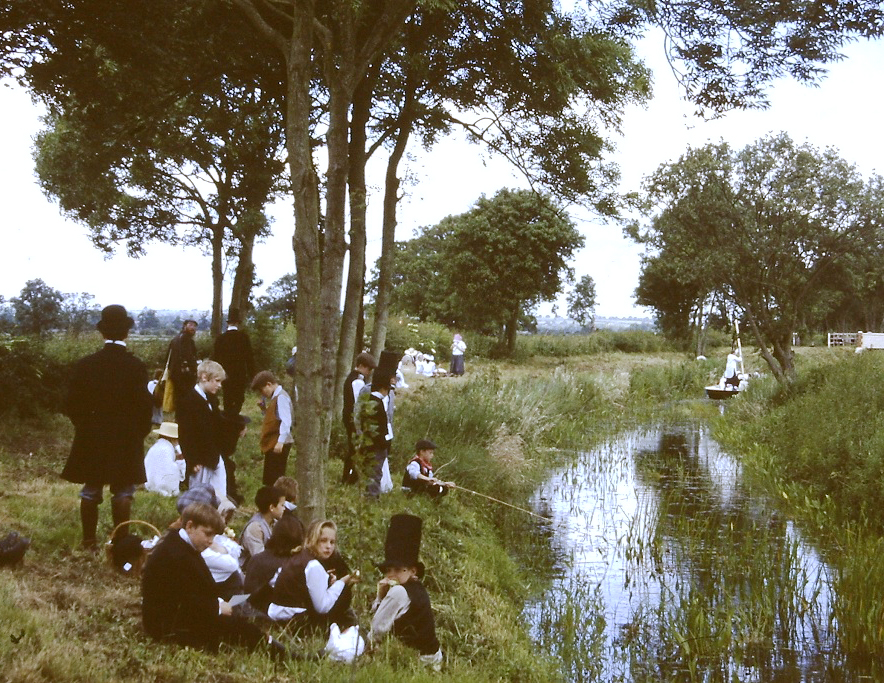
244,275
217,277
334,248
511,327
310,464
356,275
388,239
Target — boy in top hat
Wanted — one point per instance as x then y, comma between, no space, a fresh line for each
403,605
418,477
111,409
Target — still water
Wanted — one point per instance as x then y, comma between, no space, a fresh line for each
669,568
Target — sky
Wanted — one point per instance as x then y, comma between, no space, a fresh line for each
38,242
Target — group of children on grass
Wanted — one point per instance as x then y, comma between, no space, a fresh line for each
201,587
295,578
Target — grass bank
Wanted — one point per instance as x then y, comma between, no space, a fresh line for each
68,617
818,447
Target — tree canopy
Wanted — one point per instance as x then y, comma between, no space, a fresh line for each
482,269
760,228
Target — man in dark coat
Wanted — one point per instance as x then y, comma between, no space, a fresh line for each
234,351
183,360
111,409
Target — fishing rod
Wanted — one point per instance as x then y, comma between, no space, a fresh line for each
502,502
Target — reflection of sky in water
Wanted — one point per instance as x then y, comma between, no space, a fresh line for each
602,510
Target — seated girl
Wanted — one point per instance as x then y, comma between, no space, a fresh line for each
308,591
263,568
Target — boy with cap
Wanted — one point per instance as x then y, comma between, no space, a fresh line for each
403,605
418,477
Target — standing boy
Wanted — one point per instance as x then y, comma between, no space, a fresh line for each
111,409
276,430
357,378
376,431
402,605
201,429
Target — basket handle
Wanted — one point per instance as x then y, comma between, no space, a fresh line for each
132,521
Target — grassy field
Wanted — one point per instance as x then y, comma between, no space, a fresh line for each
67,616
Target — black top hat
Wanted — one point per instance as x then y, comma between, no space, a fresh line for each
115,322
388,363
233,316
403,543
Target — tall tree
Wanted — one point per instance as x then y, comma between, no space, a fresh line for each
200,176
322,51
760,227
481,270
37,308
581,302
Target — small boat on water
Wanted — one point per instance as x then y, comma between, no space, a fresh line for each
716,393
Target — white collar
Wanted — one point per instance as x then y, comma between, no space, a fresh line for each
186,538
232,327
118,342
200,391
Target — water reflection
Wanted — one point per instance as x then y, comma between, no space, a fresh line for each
670,569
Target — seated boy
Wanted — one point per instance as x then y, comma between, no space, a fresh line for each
276,430
271,504
418,477
403,605
179,601
164,464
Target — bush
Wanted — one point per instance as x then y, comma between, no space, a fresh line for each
31,382
602,341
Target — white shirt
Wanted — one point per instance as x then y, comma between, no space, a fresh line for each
164,471
222,564
284,410
322,595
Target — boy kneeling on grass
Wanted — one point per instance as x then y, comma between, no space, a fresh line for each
179,602
403,605
418,477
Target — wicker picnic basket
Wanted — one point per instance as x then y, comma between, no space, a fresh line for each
126,554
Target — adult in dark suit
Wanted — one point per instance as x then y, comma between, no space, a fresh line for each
179,596
111,409
234,351
183,360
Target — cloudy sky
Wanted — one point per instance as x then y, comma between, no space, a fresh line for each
844,113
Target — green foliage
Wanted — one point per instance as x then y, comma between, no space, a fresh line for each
600,341
38,308
31,383
757,229
581,302
281,299
827,433
662,383
269,343
489,265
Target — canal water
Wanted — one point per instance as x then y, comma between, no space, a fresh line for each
669,568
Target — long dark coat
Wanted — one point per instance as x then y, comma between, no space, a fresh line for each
111,409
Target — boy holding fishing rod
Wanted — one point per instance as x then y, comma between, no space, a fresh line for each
418,477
